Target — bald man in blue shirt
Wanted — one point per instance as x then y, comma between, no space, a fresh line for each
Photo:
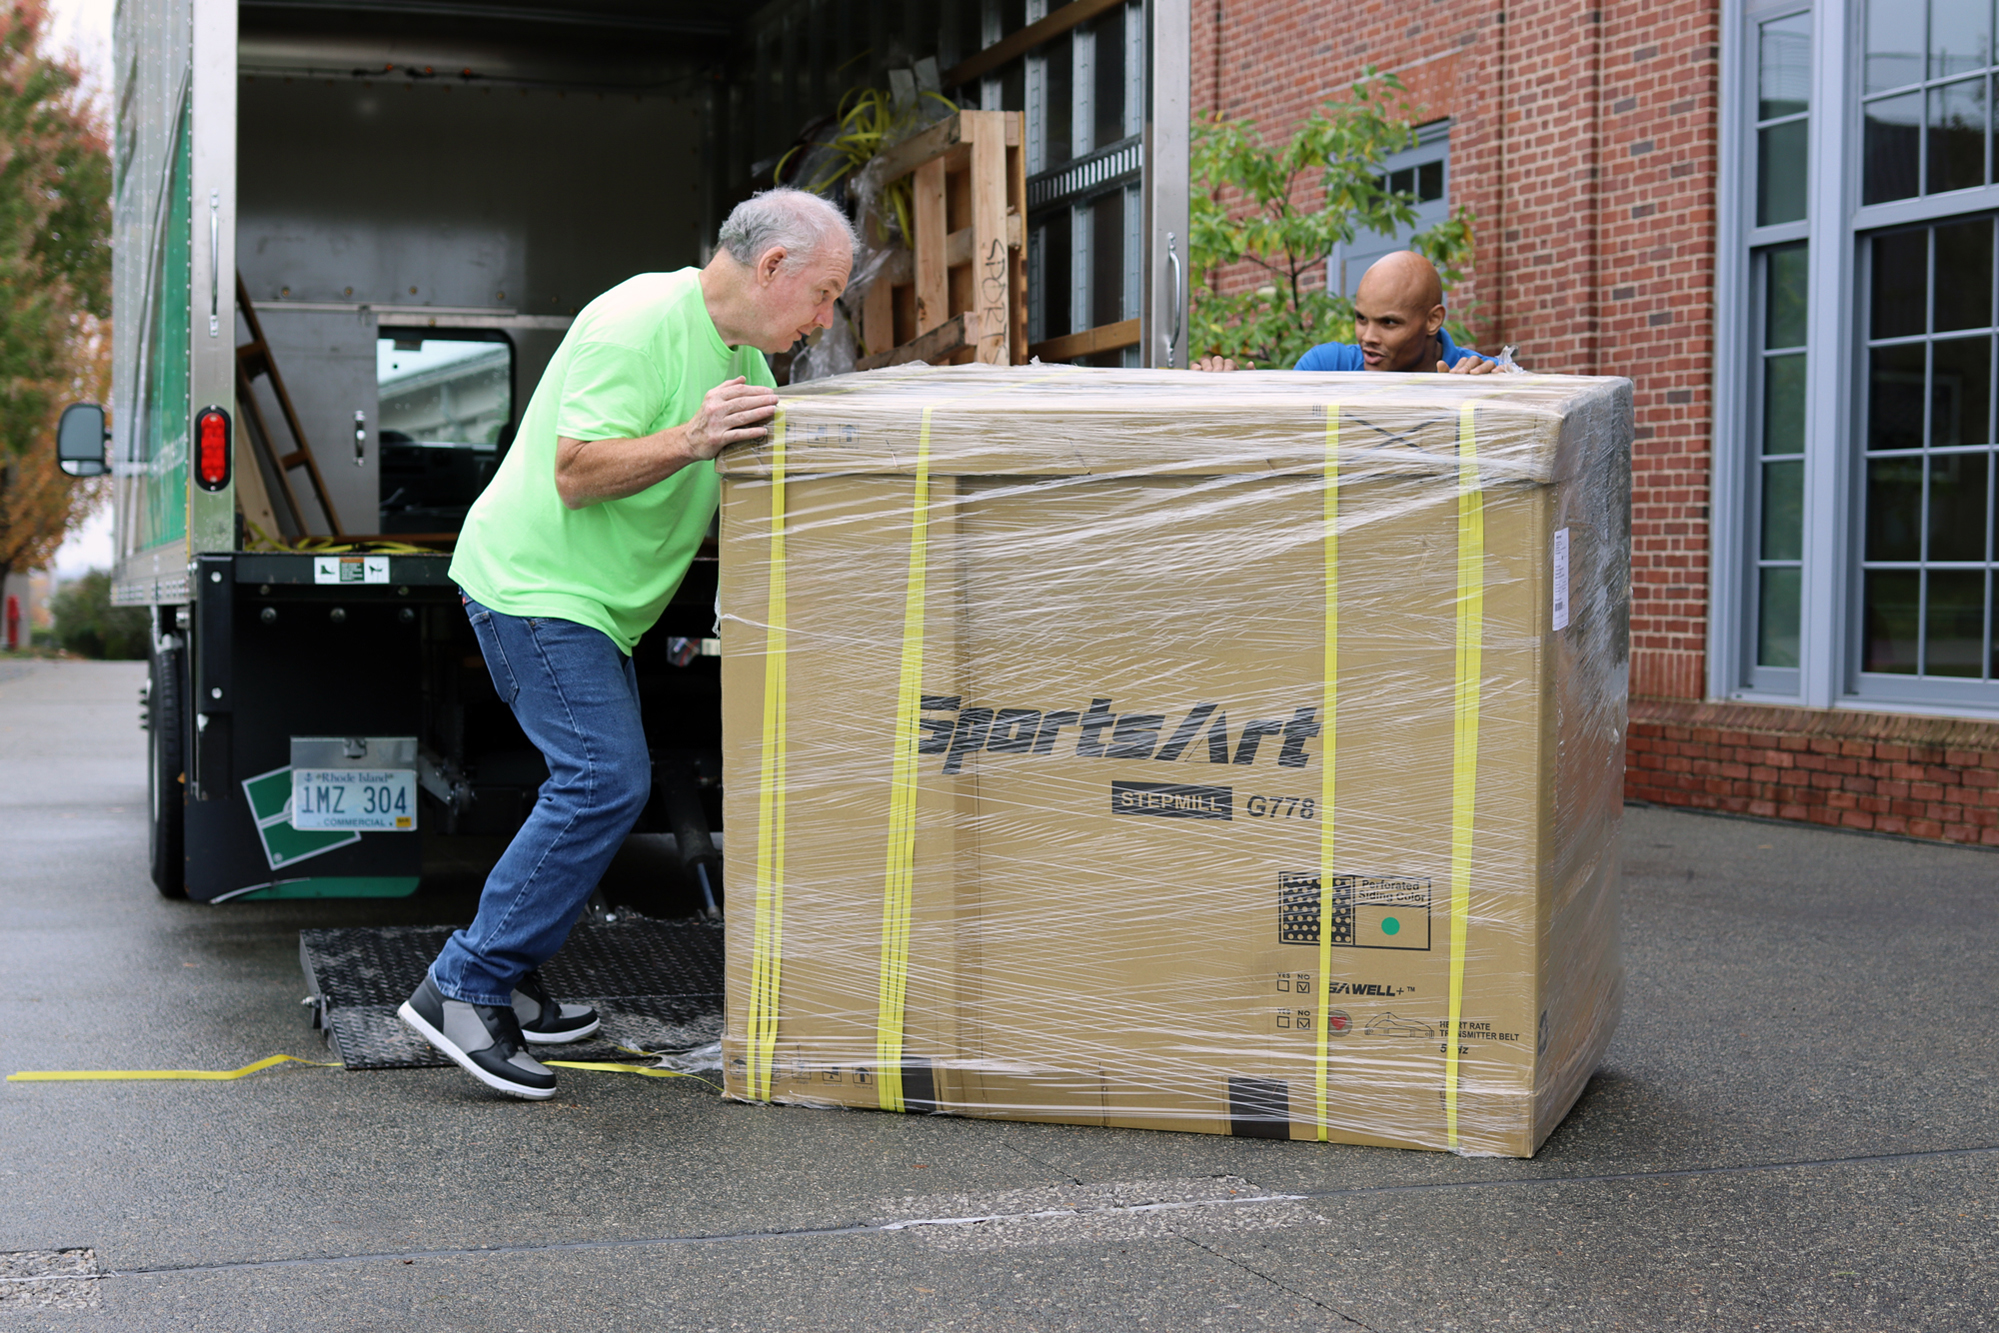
1398,326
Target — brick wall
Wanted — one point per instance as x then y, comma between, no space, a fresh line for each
1923,777
1583,137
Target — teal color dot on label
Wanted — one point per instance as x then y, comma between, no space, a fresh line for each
1390,926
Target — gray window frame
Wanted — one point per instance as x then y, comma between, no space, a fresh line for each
1895,687
1768,679
1836,225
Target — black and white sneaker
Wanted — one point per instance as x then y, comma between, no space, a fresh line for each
546,1022
482,1039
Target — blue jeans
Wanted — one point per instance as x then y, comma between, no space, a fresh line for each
577,698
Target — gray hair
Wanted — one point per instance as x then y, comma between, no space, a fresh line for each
798,220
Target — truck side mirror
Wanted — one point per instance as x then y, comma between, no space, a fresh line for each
80,438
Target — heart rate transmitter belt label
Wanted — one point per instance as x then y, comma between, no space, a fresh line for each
1172,800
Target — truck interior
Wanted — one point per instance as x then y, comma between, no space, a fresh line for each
428,192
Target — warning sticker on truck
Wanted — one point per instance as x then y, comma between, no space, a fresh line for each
350,569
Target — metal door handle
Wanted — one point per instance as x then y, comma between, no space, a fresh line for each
1179,298
214,263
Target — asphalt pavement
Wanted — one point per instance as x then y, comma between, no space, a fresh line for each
1797,1126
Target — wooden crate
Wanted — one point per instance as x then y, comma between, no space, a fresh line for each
961,294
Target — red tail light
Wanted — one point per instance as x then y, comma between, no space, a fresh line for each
211,449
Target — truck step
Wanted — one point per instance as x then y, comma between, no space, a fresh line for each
657,985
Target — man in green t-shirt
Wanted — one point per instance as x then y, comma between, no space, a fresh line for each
571,554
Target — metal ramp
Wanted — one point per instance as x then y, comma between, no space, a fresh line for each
657,985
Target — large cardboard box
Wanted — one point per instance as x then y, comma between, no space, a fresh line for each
1232,753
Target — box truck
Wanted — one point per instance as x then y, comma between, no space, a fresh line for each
348,238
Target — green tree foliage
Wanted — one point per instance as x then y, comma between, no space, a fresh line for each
1245,208
55,279
88,624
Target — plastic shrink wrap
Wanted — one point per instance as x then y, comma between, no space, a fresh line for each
1231,753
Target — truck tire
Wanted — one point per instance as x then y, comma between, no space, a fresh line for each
165,774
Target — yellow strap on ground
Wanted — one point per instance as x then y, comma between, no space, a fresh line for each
205,1075
767,934
899,874
1328,730
612,1067
1464,739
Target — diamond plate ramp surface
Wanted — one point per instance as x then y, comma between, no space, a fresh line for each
657,985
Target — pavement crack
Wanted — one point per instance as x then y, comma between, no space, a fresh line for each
891,1227
1046,1165
1258,1273
1750,1168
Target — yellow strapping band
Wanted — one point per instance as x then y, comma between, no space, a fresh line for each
208,1075
898,878
1328,729
611,1067
1464,739
222,1075
767,933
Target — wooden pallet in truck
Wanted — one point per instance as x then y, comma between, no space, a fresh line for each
959,293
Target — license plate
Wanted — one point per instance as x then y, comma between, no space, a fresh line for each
363,800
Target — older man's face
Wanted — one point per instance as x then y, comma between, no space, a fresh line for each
798,298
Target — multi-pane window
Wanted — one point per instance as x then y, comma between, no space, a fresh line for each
1927,559
1926,92
1780,465
1421,172
1783,106
1865,567
1776,389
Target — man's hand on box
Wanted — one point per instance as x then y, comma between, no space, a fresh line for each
730,414
590,471
1469,365
1220,365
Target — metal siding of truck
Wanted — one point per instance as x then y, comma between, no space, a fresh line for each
153,55
163,412
1164,317
211,325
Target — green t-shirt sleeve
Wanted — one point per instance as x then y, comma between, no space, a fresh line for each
609,393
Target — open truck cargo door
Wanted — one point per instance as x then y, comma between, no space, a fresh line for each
1103,85
173,221
348,242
